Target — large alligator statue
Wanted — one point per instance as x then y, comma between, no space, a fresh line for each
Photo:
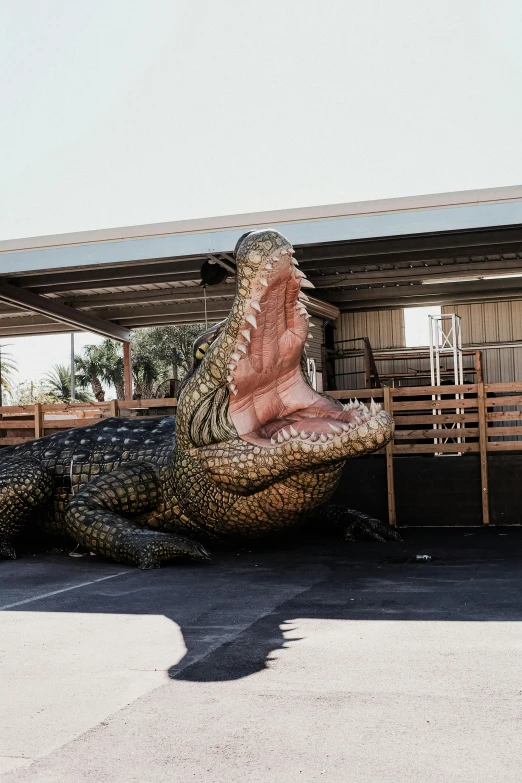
253,448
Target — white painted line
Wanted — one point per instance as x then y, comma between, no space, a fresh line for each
63,590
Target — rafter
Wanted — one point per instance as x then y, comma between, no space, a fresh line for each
57,311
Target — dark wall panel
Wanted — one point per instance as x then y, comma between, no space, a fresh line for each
435,491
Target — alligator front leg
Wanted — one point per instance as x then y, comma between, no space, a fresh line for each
96,519
25,487
355,524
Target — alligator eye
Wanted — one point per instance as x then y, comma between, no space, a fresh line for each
201,350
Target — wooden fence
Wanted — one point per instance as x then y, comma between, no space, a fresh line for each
20,423
430,420
449,420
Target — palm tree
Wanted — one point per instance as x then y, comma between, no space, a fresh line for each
58,383
158,354
8,369
111,366
146,374
90,369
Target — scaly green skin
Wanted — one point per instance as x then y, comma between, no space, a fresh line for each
131,491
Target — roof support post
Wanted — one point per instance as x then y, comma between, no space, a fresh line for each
127,370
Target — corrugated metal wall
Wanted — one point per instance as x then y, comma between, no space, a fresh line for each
314,350
384,328
493,322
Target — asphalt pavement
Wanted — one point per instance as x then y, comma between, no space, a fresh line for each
318,661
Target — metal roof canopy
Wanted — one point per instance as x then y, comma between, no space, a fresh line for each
364,256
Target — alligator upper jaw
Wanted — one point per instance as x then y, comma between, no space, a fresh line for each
270,401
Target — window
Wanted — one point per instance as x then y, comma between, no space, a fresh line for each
416,325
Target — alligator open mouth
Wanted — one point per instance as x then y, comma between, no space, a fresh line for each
270,401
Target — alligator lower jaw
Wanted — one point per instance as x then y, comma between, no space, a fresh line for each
354,423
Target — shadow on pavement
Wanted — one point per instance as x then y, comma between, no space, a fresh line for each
236,612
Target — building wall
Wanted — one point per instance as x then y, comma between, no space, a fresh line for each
384,328
496,322
493,322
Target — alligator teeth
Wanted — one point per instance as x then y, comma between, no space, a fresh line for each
256,306
307,345
233,388
284,252
303,297
374,407
323,438
293,432
314,436
291,251
307,284
280,438
286,435
273,441
303,310
294,261
276,258
246,334
251,318
304,435
269,266
354,424
263,281
230,378
309,336
336,429
299,274
241,347
235,356
346,427
231,366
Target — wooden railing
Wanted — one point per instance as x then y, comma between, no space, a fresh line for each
440,420
20,423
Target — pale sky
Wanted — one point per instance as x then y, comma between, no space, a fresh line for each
120,112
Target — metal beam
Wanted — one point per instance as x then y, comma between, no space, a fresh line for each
418,273
78,319
137,314
422,243
482,288
97,274
12,330
150,296
59,288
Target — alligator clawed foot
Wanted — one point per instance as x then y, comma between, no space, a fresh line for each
152,554
7,552
359,525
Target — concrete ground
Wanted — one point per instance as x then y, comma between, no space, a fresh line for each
322,662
